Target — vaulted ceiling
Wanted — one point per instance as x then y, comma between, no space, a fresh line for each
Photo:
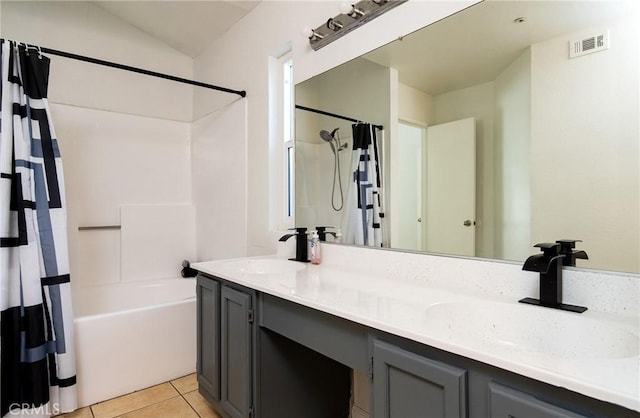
187,26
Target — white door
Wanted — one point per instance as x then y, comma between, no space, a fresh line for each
408,191
451,188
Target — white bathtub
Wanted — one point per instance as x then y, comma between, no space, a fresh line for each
132,336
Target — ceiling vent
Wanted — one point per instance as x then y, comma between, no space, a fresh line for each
595,43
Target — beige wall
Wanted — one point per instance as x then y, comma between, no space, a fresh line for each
511,161
529,132
593,143
414,106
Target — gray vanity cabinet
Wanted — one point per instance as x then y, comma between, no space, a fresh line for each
406,384
505,402
226,339
295,361
208,334
236,352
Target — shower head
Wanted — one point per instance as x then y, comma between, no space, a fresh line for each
329,137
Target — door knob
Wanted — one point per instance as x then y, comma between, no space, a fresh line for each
468,223
419,219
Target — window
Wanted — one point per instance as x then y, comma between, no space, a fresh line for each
281,141
288,111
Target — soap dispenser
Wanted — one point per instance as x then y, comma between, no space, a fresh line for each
314,248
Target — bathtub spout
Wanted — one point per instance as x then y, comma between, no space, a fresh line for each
187,271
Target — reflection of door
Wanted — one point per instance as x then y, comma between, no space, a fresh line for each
409,188
451,187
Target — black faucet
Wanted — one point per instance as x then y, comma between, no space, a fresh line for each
549,265
301,244
570,255
322,232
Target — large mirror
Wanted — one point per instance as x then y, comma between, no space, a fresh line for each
507,124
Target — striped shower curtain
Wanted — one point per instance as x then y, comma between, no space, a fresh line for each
364,213
36,337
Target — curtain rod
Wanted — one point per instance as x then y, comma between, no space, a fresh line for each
241,93
322,112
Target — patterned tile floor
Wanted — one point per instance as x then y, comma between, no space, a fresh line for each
175,399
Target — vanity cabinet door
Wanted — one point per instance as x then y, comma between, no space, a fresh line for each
208,334
509,403
409,385
236,351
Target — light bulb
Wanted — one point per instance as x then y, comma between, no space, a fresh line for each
346,8
312,34
351,10
334,25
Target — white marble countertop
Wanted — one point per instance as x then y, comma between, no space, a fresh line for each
595,353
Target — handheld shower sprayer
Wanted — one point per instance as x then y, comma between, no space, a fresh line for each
332,137
334,142
328,137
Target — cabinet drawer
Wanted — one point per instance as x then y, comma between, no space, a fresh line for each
510,403
406,384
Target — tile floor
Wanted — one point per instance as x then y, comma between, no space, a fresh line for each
175,399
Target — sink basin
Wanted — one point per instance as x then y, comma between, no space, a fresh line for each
531,329
263,266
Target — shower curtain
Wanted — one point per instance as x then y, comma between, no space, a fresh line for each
36,320
364,213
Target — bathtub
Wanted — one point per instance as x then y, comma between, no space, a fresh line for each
132,336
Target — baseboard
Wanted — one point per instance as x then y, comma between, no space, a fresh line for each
357,412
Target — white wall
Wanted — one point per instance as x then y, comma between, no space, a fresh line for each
240,59
218,158
593,143
85,29
512,173
124,140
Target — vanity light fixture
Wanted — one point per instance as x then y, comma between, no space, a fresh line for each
352,15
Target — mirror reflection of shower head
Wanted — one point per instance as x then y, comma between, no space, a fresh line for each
328,136
332,137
